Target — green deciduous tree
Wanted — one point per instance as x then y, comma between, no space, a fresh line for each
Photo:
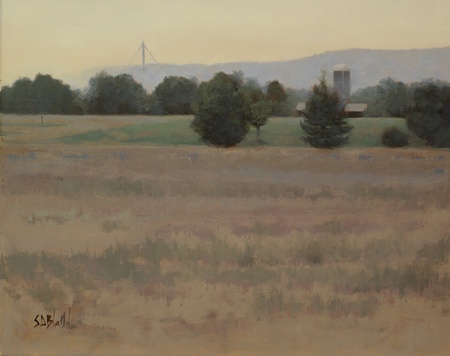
176,95
395,96
294,97
222,118
429,116
259,107
260,112
152,106
52,96
19,99
119,94
369,96
324,124
43,95
388,98
5,95
276,94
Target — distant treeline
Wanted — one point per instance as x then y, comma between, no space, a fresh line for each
121,94
425,105
391,98
175,95
43,95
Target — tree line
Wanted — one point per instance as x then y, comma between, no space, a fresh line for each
44,94
121,94
226,106
424,105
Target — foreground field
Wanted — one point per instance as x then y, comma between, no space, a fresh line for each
194,250
170,130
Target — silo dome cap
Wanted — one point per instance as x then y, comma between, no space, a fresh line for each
341,68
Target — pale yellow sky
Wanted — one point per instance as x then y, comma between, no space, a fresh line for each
62,37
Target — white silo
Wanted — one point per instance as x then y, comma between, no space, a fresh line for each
341,80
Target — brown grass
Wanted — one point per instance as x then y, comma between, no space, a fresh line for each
255,251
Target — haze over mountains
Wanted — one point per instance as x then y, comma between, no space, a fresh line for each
367,67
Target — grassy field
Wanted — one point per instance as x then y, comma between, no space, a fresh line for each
171,130
275,249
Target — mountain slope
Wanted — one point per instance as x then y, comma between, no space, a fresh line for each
367,67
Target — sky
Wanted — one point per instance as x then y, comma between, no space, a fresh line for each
63,37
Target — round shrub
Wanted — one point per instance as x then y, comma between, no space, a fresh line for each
222,115
393,137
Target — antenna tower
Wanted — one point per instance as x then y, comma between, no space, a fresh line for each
143,62
143,48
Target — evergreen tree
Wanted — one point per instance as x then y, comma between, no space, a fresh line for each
325,125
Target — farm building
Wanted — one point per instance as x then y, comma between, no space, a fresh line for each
351,109
341,84
341,81
355,109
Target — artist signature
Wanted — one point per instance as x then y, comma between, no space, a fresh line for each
48,320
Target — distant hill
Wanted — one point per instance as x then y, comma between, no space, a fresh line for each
367,67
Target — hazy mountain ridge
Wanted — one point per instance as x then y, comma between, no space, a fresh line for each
367,67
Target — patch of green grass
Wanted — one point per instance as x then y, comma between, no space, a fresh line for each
272,303
175,130
20,263
275,280
323,249
111,225
88,136
438,252
53,264
332,227
279,131
367,131
286,131
254,276
247,257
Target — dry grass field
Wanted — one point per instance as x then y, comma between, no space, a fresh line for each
160,249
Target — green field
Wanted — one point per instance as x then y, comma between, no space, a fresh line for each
171,130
